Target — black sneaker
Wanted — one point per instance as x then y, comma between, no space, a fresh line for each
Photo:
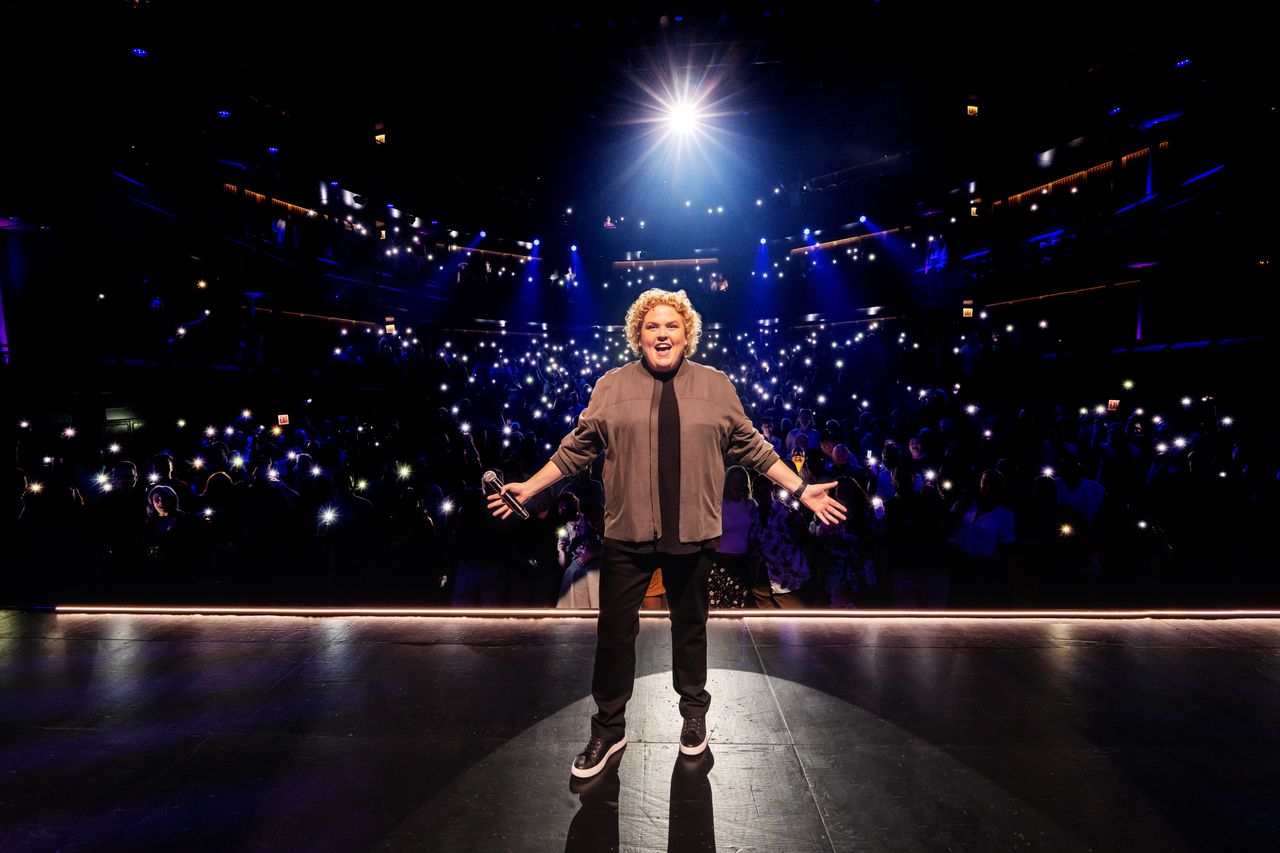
693,736
593,758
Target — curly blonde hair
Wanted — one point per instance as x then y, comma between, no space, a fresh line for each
678,300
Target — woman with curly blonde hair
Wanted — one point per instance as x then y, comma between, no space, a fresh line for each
664,423
679,302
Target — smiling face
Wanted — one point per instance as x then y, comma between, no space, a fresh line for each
662,338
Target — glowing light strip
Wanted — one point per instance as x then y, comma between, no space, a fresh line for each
293,208
307,316
1063,293
1150,123
1129,207
1069,180
1057,232
1012,614
632,266
819,324
544,613
259,197
845,241
214,610
841,174
1215,170
1082,175
1124,161
144,186
454,247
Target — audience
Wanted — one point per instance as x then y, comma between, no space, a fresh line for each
1015,502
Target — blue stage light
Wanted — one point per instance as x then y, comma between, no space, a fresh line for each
139,51
1150,123
483,234
573,248
537,242
273,150
762,241
862,218
806,232
224,114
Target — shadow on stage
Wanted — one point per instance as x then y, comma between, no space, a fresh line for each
691,821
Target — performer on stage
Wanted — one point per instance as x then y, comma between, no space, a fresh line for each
664,424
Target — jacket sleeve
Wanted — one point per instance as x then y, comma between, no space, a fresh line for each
746,445
583,444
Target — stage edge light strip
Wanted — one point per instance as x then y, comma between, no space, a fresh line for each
544,613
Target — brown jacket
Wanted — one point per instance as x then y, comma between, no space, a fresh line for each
622,421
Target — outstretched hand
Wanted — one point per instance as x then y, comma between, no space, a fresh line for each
519,491
825,508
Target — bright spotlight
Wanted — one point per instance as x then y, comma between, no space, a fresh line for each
683,117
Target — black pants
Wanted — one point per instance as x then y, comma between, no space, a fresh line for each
624,578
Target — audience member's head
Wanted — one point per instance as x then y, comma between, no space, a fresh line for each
162,502
162,466
218,487
840,455
991,487
124,475
737,485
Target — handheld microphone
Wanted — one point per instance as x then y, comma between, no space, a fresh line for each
492,484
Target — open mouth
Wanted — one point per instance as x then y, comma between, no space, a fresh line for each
663,347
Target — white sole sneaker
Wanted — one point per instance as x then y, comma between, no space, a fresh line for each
591,771
696,750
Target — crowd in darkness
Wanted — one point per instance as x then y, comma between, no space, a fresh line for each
962,490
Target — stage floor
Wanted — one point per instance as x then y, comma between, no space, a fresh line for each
449,734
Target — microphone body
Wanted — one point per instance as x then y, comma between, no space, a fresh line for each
492,486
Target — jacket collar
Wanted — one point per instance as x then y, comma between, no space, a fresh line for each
684,368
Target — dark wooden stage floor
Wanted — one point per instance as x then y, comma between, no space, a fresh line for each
447,734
